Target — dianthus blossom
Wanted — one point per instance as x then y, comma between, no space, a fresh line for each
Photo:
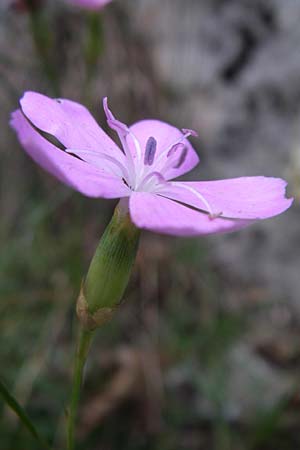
142,170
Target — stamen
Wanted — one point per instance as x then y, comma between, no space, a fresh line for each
212,214
215,216
101,155
173,161
182,158
175,148
149,177
170,150
150,151
189,132
136,143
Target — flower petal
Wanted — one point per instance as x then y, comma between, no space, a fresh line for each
159,214
165,135
77,174
239,198
70,122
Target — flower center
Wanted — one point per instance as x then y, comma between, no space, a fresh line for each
146,170
150,174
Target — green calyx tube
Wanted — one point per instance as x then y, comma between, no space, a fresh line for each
109,271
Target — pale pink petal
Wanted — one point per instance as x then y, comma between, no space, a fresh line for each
87,179
242,198
165,135
70,122
159,214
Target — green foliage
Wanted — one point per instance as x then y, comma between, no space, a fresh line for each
45,251
22,415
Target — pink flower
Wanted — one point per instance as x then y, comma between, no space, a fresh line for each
154,153
90,4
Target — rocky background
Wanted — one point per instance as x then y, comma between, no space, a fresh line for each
212,357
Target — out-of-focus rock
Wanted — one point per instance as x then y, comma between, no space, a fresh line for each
231,70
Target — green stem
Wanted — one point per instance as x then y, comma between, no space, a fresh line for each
41,40
94,47
83,345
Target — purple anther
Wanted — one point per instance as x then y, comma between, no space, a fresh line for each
181,158
177,147
150,151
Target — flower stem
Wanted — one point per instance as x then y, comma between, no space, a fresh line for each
83,345
42,42
94,48
95,42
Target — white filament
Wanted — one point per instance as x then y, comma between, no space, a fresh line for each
197,194
165,152
124,171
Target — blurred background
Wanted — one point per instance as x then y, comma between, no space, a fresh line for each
205,351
